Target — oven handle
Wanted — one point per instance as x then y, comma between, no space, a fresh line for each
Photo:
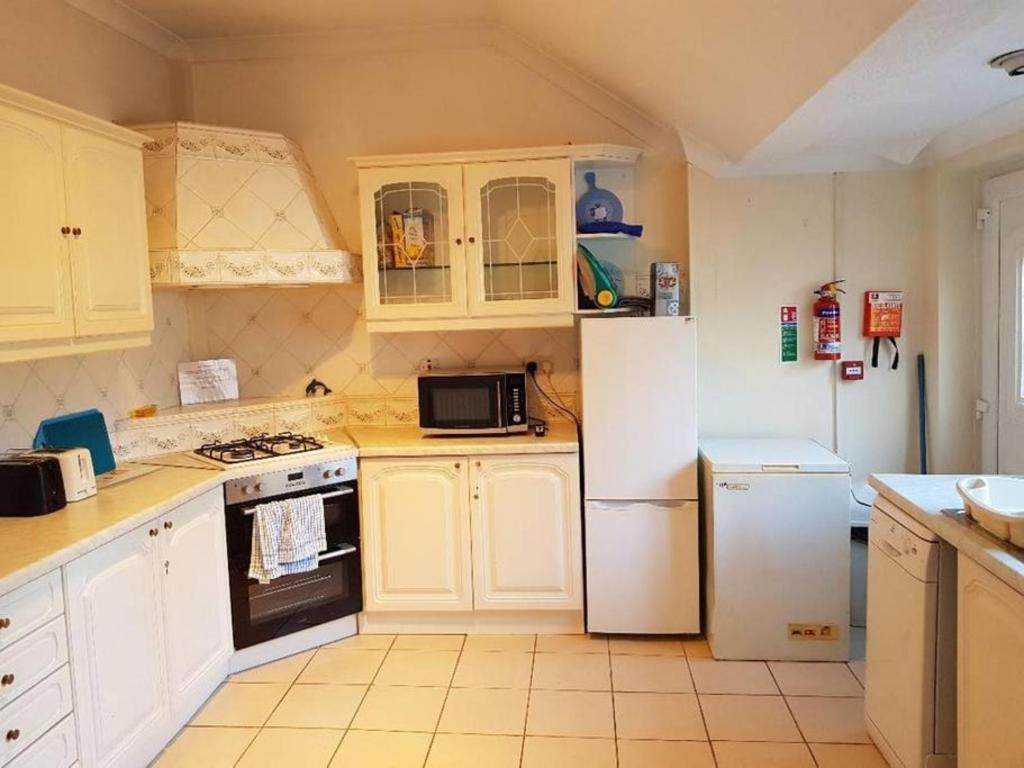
346,549
249,511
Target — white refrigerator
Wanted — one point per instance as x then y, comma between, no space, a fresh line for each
639,406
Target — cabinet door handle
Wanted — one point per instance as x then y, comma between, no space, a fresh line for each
5,623
472,239
476,495
76,231
154,532
65,231
168,525
13,734
458,241
7,680
457,464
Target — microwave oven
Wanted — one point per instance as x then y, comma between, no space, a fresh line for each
473,403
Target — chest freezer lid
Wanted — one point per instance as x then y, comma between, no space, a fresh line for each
769,455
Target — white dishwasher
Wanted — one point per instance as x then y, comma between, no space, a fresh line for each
910,701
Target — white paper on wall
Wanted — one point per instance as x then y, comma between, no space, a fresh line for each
207,381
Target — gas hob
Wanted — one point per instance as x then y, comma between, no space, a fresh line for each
262,446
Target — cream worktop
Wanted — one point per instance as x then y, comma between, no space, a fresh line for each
923,497
411,441
33,546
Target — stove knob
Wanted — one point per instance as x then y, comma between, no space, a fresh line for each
339,472
259,487
327,474
247,489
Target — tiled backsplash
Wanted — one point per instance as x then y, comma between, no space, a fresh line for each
280,339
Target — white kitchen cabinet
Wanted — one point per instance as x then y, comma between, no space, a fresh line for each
149,631
116,629
990,679
197,603
527,550
415,531
74,265
466,240
106,207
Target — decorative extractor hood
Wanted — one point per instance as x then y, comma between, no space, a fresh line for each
227,206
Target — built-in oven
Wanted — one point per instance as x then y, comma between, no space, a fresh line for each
473,403
294,602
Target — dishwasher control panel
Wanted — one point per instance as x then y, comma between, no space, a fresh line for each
917,556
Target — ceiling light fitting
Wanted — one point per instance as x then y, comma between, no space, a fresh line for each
1011,62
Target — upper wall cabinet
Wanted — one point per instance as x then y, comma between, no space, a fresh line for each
472,240
74,272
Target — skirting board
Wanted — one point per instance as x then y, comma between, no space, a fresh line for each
472,622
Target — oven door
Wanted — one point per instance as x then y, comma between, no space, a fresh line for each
465,404
261,612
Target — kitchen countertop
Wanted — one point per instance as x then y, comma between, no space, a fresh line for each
411,441
33,546
923,497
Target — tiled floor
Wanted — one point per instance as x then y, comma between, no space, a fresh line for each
529,702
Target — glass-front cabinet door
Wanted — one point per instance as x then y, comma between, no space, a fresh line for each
519,237
413,217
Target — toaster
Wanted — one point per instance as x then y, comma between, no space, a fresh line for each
31,486
75,470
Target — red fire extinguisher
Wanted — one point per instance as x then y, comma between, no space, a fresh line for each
827,334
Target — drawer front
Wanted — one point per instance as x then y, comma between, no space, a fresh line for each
31,659
30,607
57,748
33,713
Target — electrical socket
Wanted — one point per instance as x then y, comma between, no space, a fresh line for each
547,367
426,365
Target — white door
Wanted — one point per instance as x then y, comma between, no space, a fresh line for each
527,546
413,250
193,563
990,677
35,282
110,256
415,532
1011,341
639,382
520,226
115,620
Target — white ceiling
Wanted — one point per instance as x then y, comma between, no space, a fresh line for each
751,86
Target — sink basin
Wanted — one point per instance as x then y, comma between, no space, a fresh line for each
997,503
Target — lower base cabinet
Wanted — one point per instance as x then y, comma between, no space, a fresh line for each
150,632
990,677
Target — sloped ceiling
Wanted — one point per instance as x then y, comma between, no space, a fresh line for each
751,86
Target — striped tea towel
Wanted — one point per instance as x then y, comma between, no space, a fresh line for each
287,535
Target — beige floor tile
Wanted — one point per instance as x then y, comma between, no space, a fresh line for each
848,756
668,716
494,669
697,648
457,750
417,668
210,747
834,721
796,678
570,713
275,747
364,643
571,672
241,704
664,674
750,677
429,642
500,643
400,709
539,752
281,671
665,754
484,710
737,754
572,644
342,666
646,645
749,718
318,706
859,669
377,749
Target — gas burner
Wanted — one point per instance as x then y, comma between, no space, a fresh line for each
259,447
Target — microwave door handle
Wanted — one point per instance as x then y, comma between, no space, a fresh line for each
249,511
500,412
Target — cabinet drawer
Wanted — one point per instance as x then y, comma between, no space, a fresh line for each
32,714
32,658
30,607
57,748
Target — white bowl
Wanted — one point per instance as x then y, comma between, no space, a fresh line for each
997,503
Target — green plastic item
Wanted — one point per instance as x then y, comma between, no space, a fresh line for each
597,285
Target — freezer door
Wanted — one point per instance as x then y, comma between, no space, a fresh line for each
639,387
643,575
